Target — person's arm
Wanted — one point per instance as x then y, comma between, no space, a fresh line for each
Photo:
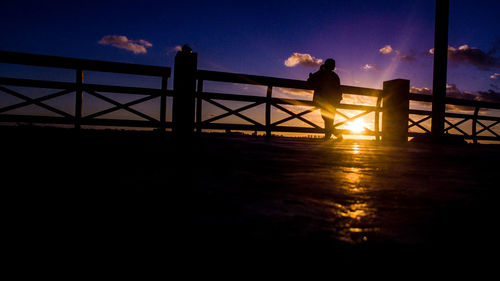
338,87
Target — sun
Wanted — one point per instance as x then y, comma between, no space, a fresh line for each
356,126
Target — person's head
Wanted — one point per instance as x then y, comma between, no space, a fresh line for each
329,64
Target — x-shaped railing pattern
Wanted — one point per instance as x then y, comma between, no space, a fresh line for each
36,101
292,115
41,102
230,112
123,106
107,93
488,128
476,122
455,126
417,123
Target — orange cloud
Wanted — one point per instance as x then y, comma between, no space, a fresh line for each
122,42
369,67
302,59
387,49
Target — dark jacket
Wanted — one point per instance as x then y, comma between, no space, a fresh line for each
326,85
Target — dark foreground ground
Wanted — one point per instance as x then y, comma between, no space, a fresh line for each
118,201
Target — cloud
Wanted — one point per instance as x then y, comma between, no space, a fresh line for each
387,49
369,67
490,95
175,49
122,42
423,91
409,58
453,92
472,56
302,59
495,76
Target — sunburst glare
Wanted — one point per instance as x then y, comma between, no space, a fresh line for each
356,126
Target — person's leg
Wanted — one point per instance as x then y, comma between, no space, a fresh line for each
328,126
338,135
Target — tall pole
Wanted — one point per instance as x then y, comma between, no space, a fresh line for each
440,65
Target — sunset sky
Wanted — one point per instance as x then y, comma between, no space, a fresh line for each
372,41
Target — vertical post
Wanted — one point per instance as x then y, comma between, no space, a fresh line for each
78,98
163,104
474,124
377,118
184,92
268,110
440,68
198,106
396,110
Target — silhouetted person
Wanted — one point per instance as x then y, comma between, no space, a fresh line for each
327,93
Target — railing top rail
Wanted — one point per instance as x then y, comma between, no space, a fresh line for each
475,103
276,82
83,64
455,101
85,86
252,79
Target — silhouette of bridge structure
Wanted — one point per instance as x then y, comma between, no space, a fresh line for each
393,118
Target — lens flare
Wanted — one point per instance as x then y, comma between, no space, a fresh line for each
356,126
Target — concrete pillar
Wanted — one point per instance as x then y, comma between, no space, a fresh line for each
183,107
395,110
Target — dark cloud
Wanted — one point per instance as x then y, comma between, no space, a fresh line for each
388,50
490,95
423,91
408,58
473,56
453,92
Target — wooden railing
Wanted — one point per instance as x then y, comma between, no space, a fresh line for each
475,107
79,87
278,103
272,104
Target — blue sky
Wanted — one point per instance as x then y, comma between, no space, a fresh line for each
257,37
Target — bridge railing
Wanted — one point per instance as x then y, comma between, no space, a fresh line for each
481,128
275,103
478,127
79,87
